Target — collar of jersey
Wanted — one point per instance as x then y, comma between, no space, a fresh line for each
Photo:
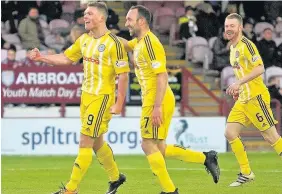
238,41
108,32
144,36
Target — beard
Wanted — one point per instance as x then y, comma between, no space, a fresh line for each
134,32
232,35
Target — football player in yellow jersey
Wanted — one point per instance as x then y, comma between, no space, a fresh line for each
104,58
158,101
253,104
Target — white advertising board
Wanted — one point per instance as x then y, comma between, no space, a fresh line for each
60,136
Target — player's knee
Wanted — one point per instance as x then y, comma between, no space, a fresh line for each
148,146
271,135
232,131
86,141
98,143
145,146
230,135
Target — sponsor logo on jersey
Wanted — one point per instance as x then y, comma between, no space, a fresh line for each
156,64
121,63
255,58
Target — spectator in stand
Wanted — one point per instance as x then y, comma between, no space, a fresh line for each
188,27
267,48
27,62
274,88
278,58
11,58
254,9
248,30
31,31
78,19
55,41
207,21
221,49
273,9
51,9
5,45
10,13
231,8
113,18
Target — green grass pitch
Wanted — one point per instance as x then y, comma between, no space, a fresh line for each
43,175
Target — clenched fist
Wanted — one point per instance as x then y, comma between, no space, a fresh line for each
34,54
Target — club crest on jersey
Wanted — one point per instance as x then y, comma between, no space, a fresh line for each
101,47
237,54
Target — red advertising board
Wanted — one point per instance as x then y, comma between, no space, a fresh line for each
41,84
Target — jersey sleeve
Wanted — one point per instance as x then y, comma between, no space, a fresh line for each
74,51
155,55
132,43
119,57
252,54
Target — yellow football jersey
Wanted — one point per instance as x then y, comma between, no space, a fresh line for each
243,58
103,59
149,60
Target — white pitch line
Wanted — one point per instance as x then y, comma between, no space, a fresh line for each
132,168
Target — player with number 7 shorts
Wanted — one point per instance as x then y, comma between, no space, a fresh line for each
158,102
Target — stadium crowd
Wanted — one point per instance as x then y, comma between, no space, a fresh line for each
197,26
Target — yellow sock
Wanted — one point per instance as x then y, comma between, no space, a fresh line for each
241,155
186,155
80,167
106,158
278,146
158,166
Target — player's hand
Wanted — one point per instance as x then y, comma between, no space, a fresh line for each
157,116
34,54
116,109
233,89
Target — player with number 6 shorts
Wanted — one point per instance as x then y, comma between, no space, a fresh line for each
252,106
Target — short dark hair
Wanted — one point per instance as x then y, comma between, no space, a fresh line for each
271,78
13,48
143,12
101,6
189,7
33,7
267,29
235,16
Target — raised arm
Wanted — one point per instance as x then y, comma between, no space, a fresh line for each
72,54
57,59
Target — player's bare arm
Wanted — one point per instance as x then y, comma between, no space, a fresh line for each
122,88
125,43
57,59
234,88
162,80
